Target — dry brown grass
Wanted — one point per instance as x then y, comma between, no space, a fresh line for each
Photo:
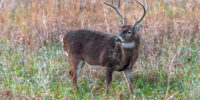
36,22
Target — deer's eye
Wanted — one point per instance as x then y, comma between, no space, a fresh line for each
129,32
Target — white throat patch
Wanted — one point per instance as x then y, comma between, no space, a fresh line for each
128,45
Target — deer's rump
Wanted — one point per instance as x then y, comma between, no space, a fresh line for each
89,45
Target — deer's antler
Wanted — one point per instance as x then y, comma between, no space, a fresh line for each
117,9
138,21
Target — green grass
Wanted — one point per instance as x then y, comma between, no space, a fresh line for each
42,73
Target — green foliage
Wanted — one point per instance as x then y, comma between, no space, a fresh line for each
43,74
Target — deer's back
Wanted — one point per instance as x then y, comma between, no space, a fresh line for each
87,43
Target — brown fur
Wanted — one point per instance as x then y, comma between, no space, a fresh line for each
97,48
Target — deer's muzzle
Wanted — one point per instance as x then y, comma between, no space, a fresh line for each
119,39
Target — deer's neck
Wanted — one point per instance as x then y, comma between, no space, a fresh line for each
123,54
128,50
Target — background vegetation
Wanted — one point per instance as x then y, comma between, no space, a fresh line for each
33,65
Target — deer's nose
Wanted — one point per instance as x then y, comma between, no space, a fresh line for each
118,40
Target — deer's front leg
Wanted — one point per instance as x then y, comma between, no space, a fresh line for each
128,75
109,72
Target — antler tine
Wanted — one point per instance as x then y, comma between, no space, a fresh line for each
119,3
142,15
117,9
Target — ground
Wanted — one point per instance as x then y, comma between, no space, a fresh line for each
43,74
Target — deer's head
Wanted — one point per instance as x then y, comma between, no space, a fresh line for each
128,33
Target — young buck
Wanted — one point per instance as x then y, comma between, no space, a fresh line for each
115,53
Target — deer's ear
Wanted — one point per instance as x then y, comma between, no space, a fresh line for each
137,28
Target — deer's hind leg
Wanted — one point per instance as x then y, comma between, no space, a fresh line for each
77,64
109,73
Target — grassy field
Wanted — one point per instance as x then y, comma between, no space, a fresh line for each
42,74
34,66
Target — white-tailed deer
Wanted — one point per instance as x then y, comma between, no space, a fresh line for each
115,53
